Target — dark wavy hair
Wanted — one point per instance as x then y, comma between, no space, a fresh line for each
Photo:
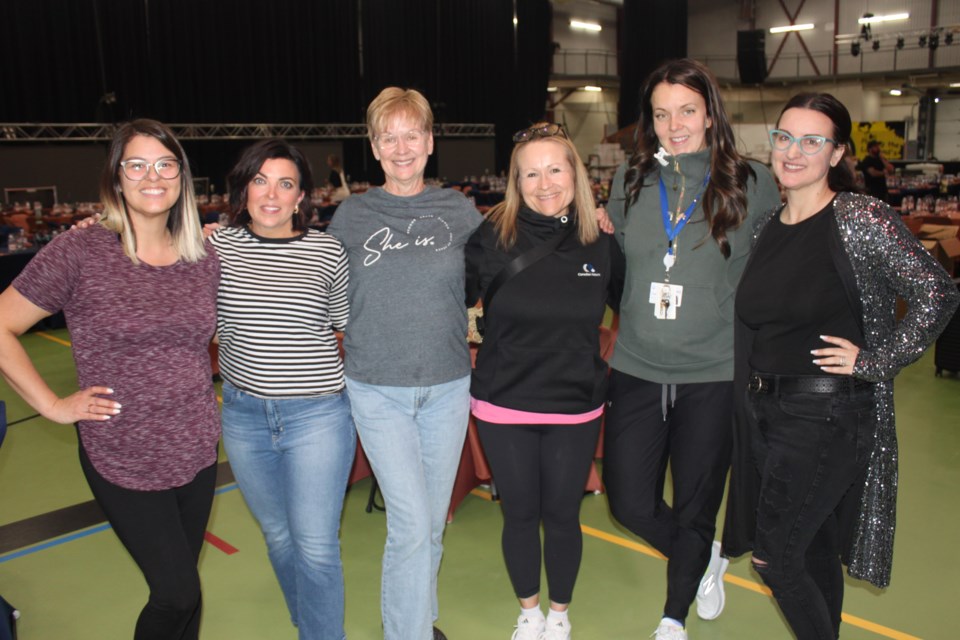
839,178
725,199
249,165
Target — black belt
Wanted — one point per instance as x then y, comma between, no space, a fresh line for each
767,383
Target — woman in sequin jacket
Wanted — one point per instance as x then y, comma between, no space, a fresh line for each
823,279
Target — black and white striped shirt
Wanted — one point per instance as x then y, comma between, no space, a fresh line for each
279,302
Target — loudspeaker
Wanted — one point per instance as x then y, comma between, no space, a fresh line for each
752,56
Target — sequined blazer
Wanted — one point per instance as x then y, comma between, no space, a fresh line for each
878,259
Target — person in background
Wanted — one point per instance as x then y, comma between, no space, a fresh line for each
682,208
337,179
815,470
876,168
286,416
539,385
407,358
139,293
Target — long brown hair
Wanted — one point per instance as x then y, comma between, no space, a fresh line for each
504,215
725,199
183,222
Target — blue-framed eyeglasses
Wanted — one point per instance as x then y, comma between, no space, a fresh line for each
808,145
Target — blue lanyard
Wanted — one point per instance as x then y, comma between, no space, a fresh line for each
673,230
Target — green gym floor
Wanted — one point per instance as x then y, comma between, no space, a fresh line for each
76,582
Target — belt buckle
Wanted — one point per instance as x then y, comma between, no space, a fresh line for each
757,385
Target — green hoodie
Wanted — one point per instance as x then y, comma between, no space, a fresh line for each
697,346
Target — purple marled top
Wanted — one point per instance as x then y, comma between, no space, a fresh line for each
142,331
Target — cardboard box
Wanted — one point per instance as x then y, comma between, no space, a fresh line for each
946,251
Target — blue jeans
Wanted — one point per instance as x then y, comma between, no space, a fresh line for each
413,437
291,458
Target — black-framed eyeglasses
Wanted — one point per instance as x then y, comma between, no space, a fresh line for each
137,170
539,131
808,145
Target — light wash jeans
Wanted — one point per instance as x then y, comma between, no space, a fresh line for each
413,437
291,458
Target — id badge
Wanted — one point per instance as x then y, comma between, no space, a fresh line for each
665,298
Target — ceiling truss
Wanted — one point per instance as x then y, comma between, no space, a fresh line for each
94,132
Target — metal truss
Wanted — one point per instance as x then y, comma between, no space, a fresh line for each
92,132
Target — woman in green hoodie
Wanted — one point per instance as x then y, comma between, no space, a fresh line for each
682,208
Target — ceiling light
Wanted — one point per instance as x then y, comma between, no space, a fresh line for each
592,88
793,27
871,19
855,48
552,89
936,100
585,26
955,85
896,92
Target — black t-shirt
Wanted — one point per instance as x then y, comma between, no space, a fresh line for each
875,185
791,294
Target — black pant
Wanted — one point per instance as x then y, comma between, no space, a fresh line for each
163,531
811,449
540,472
695,438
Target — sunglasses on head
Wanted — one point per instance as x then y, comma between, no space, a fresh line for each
539,131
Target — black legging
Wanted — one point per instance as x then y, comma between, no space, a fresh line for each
540,472
163,532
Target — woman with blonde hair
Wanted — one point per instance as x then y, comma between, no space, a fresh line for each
545,274
139,292
407,359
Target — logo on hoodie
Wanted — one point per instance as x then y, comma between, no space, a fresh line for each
588,271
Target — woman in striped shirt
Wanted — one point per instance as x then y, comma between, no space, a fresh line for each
286,417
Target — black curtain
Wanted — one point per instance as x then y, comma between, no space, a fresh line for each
48,61
284,61
651,32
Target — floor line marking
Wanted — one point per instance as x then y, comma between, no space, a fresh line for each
44,334
13,555
743,583
220,543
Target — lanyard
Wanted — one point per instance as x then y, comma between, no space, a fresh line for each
673,229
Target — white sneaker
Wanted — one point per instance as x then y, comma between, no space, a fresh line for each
529,628
668,631
556,630
710,596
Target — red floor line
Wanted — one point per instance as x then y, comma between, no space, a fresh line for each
223,545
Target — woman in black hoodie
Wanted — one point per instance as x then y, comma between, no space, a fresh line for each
545,274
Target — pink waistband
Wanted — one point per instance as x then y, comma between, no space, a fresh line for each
501,415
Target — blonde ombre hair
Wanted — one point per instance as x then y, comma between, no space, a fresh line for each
184,219
394,101
504,215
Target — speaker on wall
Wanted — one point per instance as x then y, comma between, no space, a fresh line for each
752,56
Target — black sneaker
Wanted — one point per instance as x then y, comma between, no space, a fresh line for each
438,635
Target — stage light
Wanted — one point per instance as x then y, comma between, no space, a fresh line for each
922,41
854,49
934,41
899,42
869,18
876,45
948,38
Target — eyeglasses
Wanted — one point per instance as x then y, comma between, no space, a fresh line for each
413,138
539,131
808,145
137,170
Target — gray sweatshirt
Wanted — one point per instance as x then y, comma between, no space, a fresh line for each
698,345
408,321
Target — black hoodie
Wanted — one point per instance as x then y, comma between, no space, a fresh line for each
541,347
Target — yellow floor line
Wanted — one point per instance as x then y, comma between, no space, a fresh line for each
43,334
743,583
